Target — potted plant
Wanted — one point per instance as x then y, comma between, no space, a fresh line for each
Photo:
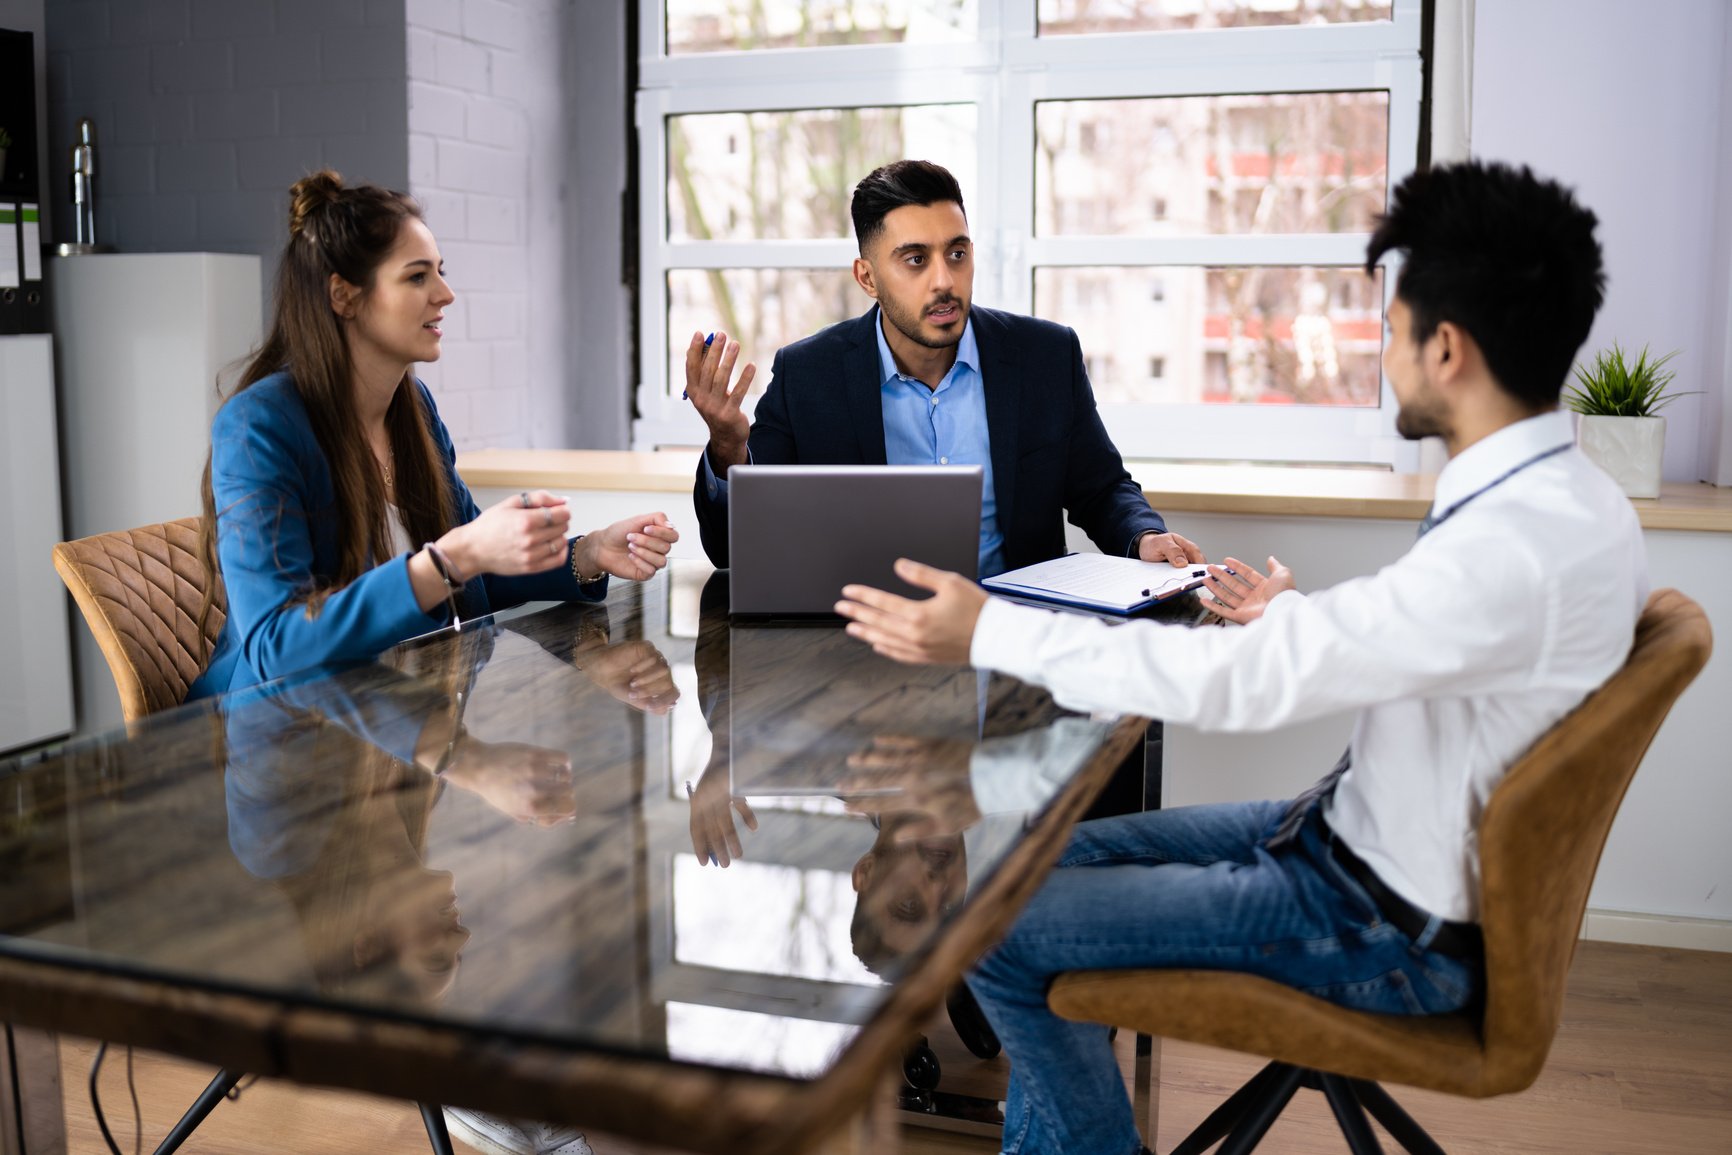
1619,428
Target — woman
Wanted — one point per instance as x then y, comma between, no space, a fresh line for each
332,507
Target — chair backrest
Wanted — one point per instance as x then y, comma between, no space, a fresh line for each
140,592
1546,823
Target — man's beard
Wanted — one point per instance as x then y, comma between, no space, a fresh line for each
1422,416
1414,425
909,326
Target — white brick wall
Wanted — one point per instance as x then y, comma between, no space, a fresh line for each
483,125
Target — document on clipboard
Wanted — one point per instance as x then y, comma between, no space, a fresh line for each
1115,585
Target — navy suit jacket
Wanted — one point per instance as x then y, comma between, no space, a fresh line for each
1050,453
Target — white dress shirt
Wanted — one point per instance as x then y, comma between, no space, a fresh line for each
1457,656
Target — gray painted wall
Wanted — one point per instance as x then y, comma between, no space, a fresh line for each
507,118
207,110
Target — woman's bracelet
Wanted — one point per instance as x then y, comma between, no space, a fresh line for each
577,573
447,574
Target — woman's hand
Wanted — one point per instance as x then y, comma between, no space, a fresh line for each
522,534
634,548
635,672
528,783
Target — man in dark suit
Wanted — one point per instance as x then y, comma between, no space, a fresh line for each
924,379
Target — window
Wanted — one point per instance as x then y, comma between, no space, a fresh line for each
1189,184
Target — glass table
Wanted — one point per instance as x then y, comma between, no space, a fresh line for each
633,867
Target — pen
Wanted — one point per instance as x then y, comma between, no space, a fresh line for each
707,341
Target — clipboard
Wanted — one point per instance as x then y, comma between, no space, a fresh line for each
1093,581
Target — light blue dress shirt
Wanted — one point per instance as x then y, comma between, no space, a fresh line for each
943,426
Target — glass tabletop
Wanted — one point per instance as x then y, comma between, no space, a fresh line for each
634,828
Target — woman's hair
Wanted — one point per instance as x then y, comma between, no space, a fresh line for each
346,231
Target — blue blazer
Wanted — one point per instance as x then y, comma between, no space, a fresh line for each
277,535
1050,453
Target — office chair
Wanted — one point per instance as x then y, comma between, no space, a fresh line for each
140,591
1540,840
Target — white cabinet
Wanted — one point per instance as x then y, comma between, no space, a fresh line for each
35,663
141,340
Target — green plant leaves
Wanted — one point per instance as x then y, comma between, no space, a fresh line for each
1614,386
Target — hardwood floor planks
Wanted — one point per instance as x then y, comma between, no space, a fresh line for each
1642,1065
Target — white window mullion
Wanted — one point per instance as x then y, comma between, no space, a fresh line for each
775,254
837,67
654,399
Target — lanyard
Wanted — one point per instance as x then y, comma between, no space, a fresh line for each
1432,522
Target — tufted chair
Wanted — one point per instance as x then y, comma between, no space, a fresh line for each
1539,842
139,591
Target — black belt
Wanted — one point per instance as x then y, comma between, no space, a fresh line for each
1458,939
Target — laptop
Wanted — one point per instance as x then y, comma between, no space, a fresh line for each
798,533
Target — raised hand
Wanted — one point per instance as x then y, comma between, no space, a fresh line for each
715,839
709,370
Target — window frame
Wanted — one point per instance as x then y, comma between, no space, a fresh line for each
1005,74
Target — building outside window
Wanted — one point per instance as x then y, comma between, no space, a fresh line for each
1186,183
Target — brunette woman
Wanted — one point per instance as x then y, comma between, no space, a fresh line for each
333,512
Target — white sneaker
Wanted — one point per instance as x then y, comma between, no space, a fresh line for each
552,1140
491,1134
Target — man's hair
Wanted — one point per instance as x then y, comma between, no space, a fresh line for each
1508,257
901,182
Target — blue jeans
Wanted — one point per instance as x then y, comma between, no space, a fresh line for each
1192,887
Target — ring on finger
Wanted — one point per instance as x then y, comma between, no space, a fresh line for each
553,547
546,515
524,498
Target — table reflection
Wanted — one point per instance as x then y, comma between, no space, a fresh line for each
636,827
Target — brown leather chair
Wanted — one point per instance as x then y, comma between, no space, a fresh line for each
139,591
1540,840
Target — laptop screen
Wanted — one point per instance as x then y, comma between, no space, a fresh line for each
798,533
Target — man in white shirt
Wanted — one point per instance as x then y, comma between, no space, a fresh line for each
1519,599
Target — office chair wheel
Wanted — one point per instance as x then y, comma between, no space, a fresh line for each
970,1023
920,1066
920,1073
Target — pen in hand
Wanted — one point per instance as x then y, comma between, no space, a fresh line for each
707,341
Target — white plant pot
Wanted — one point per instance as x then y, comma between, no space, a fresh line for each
1631,449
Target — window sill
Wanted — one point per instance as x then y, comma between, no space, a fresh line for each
1252,490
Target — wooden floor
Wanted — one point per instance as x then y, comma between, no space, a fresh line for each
1643,1064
